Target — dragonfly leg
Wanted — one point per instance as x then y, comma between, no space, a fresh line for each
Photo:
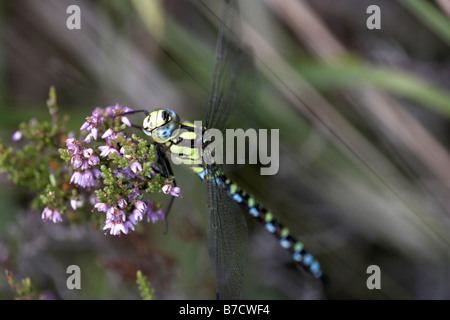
136,126
126,136
132,112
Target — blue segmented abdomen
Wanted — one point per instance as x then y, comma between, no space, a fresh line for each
296,248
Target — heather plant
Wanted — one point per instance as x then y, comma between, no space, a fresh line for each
100,174
24,290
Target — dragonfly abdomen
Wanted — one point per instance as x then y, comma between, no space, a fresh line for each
188,148
258,211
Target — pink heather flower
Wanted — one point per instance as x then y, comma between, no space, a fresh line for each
72,146
87,152
166,188
132,220
85,125
102,207
108,133
114,213
106,150
169,189
71,142
111,213
139,211
96,112
56,217
141,206
122,203
175,191
73,203
93,160
76,202
116,227
154,216
88,137
129,225
17,136
121,215
110,110
46,214
126,121
97,173
52,215
89,179
136,216
109,224
136,167
85,165
76,161
77,178
94,133
73,150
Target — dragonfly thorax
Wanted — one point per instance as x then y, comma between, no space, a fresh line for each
162,125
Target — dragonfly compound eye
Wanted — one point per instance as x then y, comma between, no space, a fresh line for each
162,125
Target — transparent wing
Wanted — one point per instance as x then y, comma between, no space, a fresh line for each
224,83
227,238
227,231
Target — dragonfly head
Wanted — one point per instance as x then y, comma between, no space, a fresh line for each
162,125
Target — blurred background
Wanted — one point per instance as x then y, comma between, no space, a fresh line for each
363,117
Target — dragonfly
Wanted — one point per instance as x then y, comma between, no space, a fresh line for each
185,143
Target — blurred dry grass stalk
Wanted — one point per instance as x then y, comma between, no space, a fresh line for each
386,180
